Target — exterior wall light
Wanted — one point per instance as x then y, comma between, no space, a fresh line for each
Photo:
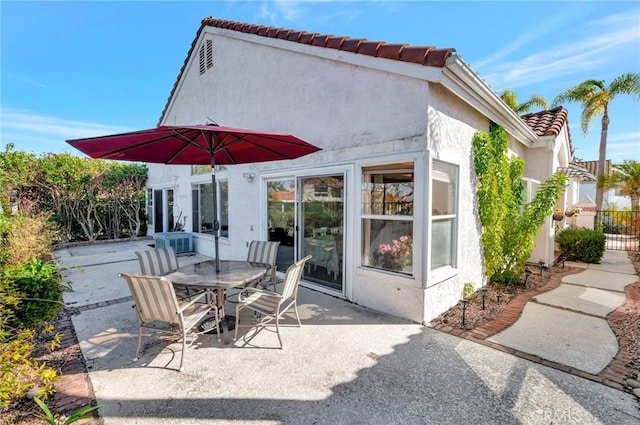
249,176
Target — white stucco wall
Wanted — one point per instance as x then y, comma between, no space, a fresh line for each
452,124
358,116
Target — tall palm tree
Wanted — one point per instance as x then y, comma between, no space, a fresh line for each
511,100
595,97
627,176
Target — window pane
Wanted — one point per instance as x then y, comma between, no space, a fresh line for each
281,197
224,208
387,193
195,208
388,245
150,207
206,208
170,205
441,247
443,188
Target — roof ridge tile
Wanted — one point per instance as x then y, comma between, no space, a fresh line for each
423,55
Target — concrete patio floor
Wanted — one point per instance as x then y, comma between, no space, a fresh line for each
345,365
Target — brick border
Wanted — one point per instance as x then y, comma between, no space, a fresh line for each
614,375
74,389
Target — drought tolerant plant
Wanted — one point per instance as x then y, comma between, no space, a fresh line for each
468,290
19,371
508,229
85,412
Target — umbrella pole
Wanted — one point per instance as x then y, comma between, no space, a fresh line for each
216,223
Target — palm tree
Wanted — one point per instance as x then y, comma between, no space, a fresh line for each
595,97
627,176
511,100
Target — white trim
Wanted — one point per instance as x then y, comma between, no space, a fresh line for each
417,159
462,80
346,170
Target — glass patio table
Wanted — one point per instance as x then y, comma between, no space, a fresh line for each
232,274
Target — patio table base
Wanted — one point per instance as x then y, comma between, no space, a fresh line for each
209,326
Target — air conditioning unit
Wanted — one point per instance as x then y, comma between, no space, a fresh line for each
181,242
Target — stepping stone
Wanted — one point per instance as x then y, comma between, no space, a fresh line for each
615,261
587,300
583,342
601,279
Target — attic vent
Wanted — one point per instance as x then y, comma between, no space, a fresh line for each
202,68
206,56
209,53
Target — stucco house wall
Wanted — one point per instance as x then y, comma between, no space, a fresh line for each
362,111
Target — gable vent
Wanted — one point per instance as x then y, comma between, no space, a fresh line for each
202,59
209,53
205,56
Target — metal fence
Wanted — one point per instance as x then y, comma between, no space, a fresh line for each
622,229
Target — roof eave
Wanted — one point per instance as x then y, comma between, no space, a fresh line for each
458,77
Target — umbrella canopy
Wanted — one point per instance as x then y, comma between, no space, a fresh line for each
196,145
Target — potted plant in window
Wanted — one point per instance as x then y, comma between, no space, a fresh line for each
397,255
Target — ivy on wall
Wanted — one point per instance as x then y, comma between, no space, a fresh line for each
508,227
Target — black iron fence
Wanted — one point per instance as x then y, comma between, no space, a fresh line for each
622,229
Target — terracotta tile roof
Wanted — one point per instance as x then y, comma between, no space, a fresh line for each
547,123
592,166
423,55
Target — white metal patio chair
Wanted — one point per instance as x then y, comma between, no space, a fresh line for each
160,262
155,301
272,305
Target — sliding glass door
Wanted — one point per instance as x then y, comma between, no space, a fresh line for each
306,215
322,229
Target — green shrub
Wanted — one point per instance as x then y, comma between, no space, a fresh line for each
38,284
582,244
19,371
506,277
468,290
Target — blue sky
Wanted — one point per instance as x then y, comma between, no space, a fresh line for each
79,69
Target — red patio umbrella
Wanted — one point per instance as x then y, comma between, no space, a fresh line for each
196,145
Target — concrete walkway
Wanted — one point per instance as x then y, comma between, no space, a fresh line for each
568,324
345,365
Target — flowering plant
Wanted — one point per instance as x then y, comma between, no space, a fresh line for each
558,214
397,254
573,211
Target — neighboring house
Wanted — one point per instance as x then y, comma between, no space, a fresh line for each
611,198
388,207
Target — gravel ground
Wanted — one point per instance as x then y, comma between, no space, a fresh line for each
627,326
496,299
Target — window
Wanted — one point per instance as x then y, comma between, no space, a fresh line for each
202,207
529,189
321,190
150,207
387,218
444,214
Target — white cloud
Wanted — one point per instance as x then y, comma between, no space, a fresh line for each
41,133
602,44
634,135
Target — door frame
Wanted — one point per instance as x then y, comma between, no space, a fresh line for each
346,170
